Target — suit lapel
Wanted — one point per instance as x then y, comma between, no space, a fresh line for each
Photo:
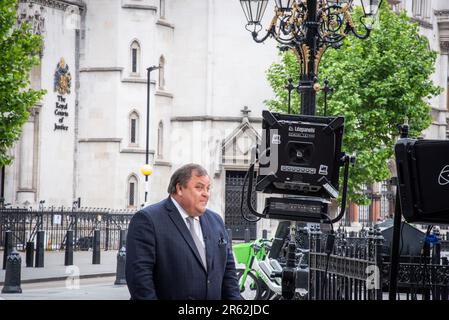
175,216
208,239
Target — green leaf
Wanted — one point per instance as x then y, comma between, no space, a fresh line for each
19,49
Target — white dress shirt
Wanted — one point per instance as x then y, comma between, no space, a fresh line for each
196,221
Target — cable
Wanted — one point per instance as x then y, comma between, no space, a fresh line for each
330,221
423,256
400,250
251,168
347,160
330,241
248,199
402,240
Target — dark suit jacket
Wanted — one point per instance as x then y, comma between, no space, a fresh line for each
162,261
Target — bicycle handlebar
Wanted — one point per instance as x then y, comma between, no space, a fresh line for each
275,274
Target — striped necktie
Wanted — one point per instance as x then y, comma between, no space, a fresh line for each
198,244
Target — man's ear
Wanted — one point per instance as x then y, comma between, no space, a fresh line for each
178,189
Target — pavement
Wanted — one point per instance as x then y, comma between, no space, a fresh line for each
81,281
55,270
102,288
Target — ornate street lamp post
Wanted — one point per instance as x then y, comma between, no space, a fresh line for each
2,188
308,28
146,169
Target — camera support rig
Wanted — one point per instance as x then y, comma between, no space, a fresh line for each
300,208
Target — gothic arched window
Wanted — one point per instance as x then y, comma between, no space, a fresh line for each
162,9
134,128
162,72
160,140
132,191
135,57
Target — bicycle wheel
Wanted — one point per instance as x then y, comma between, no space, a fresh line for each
251,288
265,292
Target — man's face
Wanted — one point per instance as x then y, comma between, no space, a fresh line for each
194,197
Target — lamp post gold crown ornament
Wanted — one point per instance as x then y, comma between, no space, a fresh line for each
308,28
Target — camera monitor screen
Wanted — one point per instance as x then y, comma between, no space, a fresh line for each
423,175
300,154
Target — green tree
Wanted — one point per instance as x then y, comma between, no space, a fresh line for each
19,52
379,83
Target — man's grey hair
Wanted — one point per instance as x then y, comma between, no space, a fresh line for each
183,175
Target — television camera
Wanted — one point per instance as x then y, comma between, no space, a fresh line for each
299,159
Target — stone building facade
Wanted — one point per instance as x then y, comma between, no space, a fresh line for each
86,140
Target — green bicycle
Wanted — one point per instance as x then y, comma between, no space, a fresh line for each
261,277
251,285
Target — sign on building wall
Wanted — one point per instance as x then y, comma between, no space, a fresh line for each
57,219
62,84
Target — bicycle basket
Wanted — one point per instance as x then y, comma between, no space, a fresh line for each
242,252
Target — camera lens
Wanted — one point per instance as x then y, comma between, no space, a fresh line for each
299,153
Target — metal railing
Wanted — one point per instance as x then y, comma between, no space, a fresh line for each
358,269
56,221
342,275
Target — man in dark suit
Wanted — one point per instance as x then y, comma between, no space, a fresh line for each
178,249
